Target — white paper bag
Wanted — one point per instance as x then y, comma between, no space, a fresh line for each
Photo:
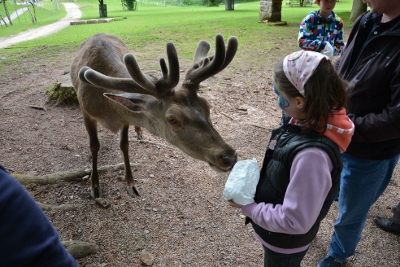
242,182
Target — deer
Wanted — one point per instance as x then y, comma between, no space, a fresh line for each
114,92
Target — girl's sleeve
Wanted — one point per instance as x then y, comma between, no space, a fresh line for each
310,182
307,39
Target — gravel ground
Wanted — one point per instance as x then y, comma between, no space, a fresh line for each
181,218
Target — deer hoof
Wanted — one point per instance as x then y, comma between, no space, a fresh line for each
132,191
96,193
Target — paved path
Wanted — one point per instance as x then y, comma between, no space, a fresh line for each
73,13
13,16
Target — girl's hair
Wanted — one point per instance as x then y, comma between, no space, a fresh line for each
324,92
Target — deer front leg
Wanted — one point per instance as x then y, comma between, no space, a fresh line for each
124,145
91,127
139,133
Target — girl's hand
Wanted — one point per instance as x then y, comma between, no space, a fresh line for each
234,205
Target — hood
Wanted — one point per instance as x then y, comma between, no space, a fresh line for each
340,129
320,19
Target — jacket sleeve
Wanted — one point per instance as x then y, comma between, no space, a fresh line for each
381,123
384,125
28,238
307,39
349,40
338,43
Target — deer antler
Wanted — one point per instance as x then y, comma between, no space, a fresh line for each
140,83
204,67
89,75
163,85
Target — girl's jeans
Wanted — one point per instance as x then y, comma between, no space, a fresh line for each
362,182
274,259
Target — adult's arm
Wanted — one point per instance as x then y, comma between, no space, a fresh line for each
383,125
28,239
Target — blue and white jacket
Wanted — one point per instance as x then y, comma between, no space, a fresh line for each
315,31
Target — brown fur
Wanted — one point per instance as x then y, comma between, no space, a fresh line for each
104,68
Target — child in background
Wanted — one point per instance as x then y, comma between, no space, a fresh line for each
322,30
300,175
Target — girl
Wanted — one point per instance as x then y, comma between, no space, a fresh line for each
300,175
322,30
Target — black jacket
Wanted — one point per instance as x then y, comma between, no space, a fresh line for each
370,62
275,175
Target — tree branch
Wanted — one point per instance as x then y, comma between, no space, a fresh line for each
68,176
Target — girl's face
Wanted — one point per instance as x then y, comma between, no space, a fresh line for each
326,7
292,106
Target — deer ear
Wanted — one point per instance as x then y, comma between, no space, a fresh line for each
134,102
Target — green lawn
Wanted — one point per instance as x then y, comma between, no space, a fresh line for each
45,13
183,25
155,18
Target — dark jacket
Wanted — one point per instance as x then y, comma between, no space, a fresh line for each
28,239
275,174
370,62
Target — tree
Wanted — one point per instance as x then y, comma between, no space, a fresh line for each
7,13
270,10
130,5
102,9
358,8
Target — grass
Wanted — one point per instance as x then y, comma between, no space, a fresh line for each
183,25
45,14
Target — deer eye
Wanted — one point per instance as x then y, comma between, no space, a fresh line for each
174,122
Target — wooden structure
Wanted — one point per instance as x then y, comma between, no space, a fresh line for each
300,3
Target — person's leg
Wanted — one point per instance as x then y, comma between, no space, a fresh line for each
396,214
362,183
392,224
274,259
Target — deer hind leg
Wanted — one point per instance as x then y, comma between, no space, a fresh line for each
139,133
124,145
91,127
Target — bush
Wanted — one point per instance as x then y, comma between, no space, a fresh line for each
129,4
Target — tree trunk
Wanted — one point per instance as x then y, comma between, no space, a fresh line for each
7,13
270,10
103,11
358,8
68,176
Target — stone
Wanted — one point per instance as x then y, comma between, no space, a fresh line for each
80,249
146,258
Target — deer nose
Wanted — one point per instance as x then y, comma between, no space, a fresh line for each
229,161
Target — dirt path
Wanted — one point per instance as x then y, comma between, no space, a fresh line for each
73,13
